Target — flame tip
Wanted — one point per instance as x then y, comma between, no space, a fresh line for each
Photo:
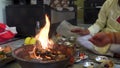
42,36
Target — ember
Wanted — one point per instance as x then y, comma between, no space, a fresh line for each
47,55
48,59
58,53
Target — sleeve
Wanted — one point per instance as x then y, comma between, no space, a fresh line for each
102,18
114,37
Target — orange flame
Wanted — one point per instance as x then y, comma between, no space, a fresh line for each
42,36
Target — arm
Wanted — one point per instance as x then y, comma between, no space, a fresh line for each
116,38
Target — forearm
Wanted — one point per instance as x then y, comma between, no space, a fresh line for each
115,37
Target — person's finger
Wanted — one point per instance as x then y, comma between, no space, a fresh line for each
96,42
75,30
78,31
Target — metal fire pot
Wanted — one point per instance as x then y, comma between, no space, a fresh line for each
22,51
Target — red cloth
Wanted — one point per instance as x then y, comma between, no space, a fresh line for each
2,27
118,19
5,34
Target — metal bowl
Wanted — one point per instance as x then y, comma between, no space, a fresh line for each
20,52
101,59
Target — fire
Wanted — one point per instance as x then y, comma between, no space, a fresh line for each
43,35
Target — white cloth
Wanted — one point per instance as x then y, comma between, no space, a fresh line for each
115,48
12,29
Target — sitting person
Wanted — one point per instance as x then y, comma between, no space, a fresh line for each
108,21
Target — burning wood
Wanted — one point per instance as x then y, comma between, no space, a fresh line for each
47,55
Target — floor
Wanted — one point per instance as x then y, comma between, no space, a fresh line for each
18,43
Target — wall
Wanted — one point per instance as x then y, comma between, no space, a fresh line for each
3,3
58,16
79,3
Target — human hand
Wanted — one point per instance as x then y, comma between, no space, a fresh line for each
101,39
80,31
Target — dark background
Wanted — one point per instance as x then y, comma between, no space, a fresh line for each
91,11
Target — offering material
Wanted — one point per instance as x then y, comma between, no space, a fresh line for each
5,55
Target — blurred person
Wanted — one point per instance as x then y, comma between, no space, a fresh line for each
108,21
